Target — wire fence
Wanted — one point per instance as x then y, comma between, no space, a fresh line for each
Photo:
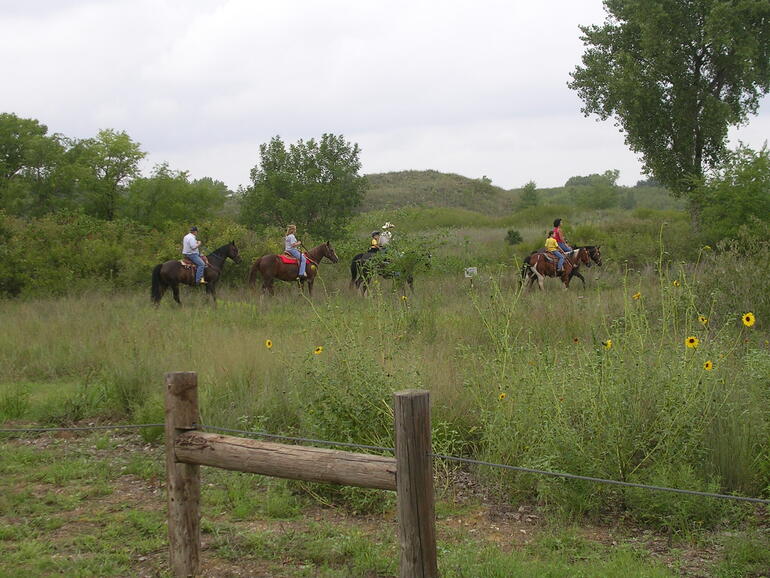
392,450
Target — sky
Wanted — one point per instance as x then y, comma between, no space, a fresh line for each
473,88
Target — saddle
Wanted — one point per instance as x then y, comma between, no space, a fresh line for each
187,264
289,260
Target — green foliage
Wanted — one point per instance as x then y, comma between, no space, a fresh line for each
315,185
169,197
513,237
528,196
737,192
715,60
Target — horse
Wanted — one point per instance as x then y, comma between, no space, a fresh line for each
540,267
271,267
594,252
172,273
365,266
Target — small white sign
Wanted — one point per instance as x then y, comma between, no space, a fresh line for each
471,272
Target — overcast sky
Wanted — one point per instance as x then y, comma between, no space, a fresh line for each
474,88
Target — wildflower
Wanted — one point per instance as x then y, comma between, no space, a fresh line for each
318,350
707,247
709,365
636,295
703,320
576,340
607,344
502,396
692,342
676,283
268,344
403,298
748,319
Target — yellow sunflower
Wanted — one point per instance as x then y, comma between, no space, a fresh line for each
403,298
502,396
676,283
703,320
576,340
692,342
749,319
709,365
268,344
607,344
636,295
318,350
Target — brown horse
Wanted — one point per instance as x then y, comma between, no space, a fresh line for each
541,267
271,267
172,273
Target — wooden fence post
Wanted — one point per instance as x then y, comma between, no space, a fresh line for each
182,480
414,482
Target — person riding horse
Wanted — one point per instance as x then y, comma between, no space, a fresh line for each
290,244
190,249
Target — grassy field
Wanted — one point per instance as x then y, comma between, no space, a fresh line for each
647,375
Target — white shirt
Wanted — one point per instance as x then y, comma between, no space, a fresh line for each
385,238
189,244
289,241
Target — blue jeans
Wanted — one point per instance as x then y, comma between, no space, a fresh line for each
559,256
199,265
564,247
302,261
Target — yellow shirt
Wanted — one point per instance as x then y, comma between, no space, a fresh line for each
375,243
551,244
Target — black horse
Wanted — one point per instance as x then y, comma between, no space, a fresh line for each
172,273
594,253
397,266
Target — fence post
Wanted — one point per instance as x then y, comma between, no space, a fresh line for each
182,480
414,483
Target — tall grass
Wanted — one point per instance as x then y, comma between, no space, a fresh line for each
522,378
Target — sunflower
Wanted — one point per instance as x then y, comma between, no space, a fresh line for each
576,340
502,396
703,320
676,283
318,350
403,298
636,295
268,344
707,247
692,342
607,344
749,319
709,365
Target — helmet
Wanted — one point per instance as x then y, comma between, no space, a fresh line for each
193,228
375,233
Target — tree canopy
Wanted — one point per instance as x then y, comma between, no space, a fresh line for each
314,184
675,75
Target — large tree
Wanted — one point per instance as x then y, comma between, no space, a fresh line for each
314,184
675,75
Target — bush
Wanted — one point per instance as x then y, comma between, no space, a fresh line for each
513,237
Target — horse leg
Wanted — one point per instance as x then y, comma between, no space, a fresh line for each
175,289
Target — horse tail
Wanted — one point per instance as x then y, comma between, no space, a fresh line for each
354,269
156,292
253,272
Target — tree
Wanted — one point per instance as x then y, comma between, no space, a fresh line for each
529,196
738,192
108,164
169,196
675,75
314,184
595,191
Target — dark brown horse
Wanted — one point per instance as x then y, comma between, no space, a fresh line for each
172,273
271,267
540,267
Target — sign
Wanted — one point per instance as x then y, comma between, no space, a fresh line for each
471,272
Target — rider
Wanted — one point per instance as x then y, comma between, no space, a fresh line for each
190,245
552,246
386,235
290,245
374,244
559,236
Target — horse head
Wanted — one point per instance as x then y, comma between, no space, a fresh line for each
328,252
233,253
595,254
583,256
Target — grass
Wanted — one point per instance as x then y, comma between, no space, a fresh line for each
113,525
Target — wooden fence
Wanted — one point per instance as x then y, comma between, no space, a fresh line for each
410,473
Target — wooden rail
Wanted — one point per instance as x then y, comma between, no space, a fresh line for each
410,473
